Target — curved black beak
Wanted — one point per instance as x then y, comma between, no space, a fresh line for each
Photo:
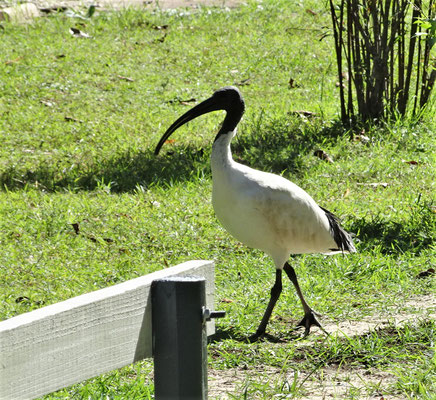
207,106
228,98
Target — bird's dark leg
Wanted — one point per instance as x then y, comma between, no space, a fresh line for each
309,318
275,294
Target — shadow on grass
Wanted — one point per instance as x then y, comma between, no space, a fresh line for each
276,144
269,144
372,348
226,334
230,333
122,173
380,346
414,234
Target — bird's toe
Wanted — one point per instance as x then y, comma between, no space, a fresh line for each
308,321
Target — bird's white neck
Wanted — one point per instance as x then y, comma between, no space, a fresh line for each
221,154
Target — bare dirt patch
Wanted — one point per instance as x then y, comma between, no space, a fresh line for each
424,307
326,383
25,12
119,4
331,382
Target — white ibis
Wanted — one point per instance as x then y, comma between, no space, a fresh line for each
263,210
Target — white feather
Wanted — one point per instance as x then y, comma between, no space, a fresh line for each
266,211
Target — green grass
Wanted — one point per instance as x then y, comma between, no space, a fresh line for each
77,148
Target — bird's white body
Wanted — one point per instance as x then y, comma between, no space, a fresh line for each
263,210
266,211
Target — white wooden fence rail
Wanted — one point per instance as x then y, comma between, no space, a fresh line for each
65,343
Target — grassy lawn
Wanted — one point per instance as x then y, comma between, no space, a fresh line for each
79,119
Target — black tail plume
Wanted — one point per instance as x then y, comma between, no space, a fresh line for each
342,238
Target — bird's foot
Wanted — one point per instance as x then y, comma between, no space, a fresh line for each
258,335
308,321
261,336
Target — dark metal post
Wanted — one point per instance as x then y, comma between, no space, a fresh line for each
179,338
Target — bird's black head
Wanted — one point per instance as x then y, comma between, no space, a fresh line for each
228,99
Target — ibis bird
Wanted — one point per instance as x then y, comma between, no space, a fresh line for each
263,210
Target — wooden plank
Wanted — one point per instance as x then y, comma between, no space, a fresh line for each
68,342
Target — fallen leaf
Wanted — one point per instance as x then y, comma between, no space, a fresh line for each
22,299
14,61
228,301
48,10
76,228
123,215
311,12
303,113
426,274
361,138
293,84
411,162
125,78
375,184
187,102
78,33
184,102
72,119
322,155
159,27
160,40
47,103
244,82
347,193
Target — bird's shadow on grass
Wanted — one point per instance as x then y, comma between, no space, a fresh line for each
232,334
269,144
122,173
